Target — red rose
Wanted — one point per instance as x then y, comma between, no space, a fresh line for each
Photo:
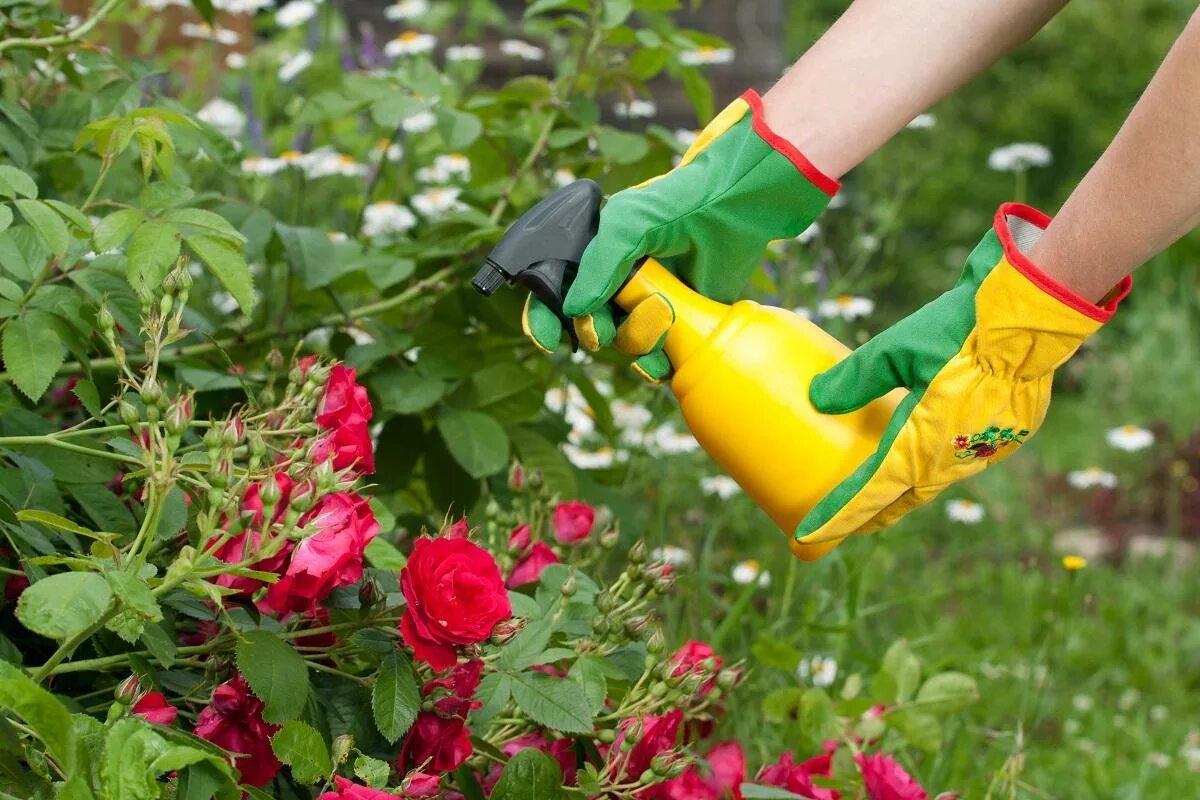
457,530
797,778
561,750
233,721
691,657
529,569
887,780
344,412
573,521
348,790
519,540
439,740
14,586
246,545
153,707
721,777
654,735
421,786
455,597
349,445
329,558
344,397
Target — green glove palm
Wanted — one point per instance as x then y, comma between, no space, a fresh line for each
737,188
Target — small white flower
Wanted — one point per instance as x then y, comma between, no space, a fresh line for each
202,30
515,48
360,336
406,9
1159,760
821,670
635,109
446,168
846,306
671,555
224,303
1130,438
1159,713
562,177
629,416
386,217
868,242
437,201
809,233
1086,746
1019,156
224,116
386,148
706,55
410,43
1128,699
318,338
325,162
967,512
559,399
464,52
673,442
603,458
1083,703
722,486
295,13
337,236
748,571
1191,756
1072,727
236,61
294,65
256,165
922,122
1091,477
803,311
419,122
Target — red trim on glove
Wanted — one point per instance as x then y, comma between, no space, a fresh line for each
819,179
1040,279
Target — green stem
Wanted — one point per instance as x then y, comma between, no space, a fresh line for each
74,35
50,441
68,646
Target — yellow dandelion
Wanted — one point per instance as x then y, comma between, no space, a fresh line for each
1074,563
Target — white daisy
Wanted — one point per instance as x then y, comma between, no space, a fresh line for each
1159,713
846,306
337,236
967,512
324,162
673,442
1191,756
1130,438
406,9
295,13
1128,699
410,43
386,217
386,148
236,61
603,458
922,122
749,571
1091,477
1083,703
202,30
803,311
821,670
558,399
722,486
635,109
437,201
1019,156
672,555
1158,760
562,177
419,122
256,165
464,52
446,168
515,48
706,55
224,116
1072,727
293,65
628,415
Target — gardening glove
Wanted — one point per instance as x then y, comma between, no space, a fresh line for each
709,220
978,362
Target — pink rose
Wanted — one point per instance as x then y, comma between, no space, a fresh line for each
344,413
520,539
529,568
797,778
573,521
153,707
719,777
233,721
656,735
348,790
439,740
887,780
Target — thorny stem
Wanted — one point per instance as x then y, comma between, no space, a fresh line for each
70,36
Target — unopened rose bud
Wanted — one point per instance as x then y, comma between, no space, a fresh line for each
656,643
105,320
677,767
369,594
152,396
601,627
220,473
165,304
606,736
325,476
258,447
603,601
633,735
504,631
275,360
427,706
302,497
659,689
127,691
709,664
609,538
270,492
637,627
727,679
534,479
179,415
648,777
212,441
637,553
266,397
569,586
516,477
232,431
128,413
660,765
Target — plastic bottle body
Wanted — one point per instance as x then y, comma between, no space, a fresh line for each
742,374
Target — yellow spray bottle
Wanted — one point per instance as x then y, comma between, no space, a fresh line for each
741,371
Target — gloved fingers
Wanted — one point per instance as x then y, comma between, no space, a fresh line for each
608,259
654,367
595,330
644,329
541,325
865,375
906,503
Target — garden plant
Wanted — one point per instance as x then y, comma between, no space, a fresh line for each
288,511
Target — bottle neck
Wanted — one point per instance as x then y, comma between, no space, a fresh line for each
696,316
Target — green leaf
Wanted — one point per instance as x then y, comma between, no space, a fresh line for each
65,604
920,728
525,648
15,183
206,10
771,652
197,220
163,194
699,92
309,251
947,692
537,452
752,791
904,668
276,673
19,117
621,147
72,215
48,224
382,554
174,514
494,692
300,747
476,440
88,396
395,699
406,391
129,748
32,355
373,772
589,672
542,6
45,715
6,218
53,520
134,595
227,263
153,250
553,702
112,231
615,12
458,128
529,775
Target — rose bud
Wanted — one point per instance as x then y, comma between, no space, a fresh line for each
128,413
179,415
637,553
232,431
608,540
274,360
127,691
516,477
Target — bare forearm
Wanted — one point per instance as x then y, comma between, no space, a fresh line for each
884,62
1143,193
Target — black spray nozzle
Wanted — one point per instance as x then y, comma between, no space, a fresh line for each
541,250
